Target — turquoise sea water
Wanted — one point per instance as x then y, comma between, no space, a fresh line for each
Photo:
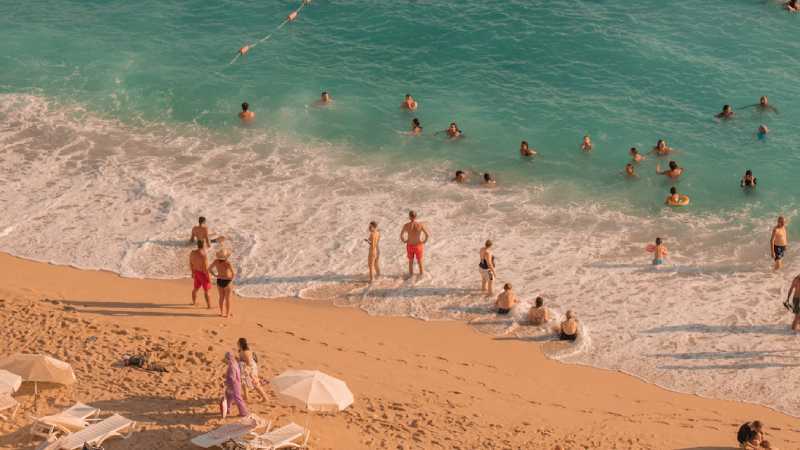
118,128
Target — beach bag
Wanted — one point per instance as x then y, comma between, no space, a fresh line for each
87,446
223,407
137,361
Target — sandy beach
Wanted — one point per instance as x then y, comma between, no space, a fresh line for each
417,384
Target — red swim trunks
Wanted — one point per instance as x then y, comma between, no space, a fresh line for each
201,280
414,250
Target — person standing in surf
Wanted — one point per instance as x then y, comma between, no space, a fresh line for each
778,242
658,253
246,115
225,275
486,268
198,264
374,252
795,305
411,235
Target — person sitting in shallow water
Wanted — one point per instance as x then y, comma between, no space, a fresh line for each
748,179
460,177
727,113
416,128
568,330
538,314
506,300
587,144
525,151
453,132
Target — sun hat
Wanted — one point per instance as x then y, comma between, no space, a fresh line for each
223,254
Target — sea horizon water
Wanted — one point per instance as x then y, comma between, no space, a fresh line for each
118,129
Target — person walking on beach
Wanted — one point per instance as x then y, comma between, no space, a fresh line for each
795,305
778,242
486,268
674,171
248,366
506,300
408,105
658,253
201,233
538,315
762,106
414,241
374,252
198,264
224,274
750,435
568,330
246,115
661,149
233,384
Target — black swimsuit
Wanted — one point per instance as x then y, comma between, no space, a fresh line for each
223,283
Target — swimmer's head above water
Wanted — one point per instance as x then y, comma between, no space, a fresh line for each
629,169
460,176
633,151
673,165
245,106
673,190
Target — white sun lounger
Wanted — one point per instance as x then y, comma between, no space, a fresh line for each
96,433
222,435
280,438
8,402
72,419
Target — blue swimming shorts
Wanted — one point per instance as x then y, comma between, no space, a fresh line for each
658,262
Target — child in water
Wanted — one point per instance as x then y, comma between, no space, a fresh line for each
673,196
637,158
587,144
658,252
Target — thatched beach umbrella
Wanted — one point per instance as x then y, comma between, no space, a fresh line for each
39,368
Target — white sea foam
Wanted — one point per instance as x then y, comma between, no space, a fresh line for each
94,193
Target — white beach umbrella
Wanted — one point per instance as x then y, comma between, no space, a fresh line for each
312,390
9,382
38,368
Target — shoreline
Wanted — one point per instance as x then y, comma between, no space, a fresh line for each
403,372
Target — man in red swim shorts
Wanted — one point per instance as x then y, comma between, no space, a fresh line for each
198,262
411,235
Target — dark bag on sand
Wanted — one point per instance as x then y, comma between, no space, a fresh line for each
255,358
137,361
87,446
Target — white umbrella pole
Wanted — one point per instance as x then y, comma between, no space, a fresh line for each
35,387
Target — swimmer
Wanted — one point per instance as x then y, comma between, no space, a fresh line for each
374,252
324,101
726,113
201,233
487,179
637,158
587,144
762,132
778,242
673,196
453,132
748,179
568,330
673,172
416,128
538,314
658,253
525,151
661,149
762,106
408,105
506,300
460,177
629,171
246,115
791,5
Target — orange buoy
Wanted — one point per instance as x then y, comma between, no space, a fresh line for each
244,49
292,16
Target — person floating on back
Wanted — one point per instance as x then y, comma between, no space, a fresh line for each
748,180
246,115
778,242
762,106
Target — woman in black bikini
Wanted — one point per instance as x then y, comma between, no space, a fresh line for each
224,274
568,331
